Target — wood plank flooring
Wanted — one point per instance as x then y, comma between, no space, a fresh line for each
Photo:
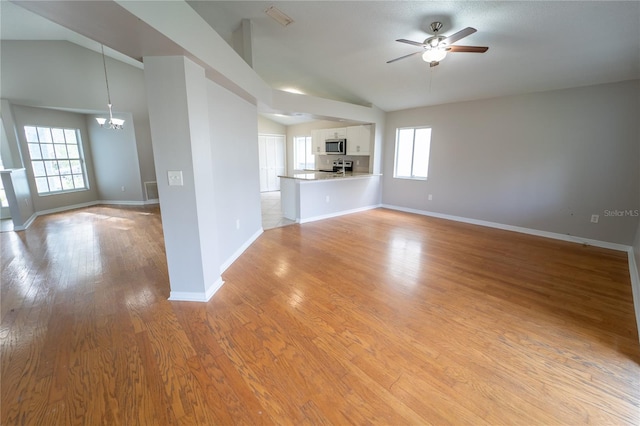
379,317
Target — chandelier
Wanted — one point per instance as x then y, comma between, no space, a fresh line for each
112,123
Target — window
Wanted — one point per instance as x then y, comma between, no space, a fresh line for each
303,153
412,153
56,159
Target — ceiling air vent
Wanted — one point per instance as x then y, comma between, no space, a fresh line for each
278,16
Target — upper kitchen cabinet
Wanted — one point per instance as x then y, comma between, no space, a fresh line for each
317,142
339,133
319,136
359,139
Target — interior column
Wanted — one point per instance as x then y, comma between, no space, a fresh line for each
178,114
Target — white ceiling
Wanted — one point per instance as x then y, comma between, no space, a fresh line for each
338,49
17,23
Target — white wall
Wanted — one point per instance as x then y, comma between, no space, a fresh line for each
270,127
11,157
115,160
27,116
210,134
19,196
178,113
59,74
234,160
544,161
326,198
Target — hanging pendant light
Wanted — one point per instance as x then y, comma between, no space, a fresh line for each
112,123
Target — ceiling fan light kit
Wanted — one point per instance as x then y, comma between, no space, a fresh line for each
436,47
434,55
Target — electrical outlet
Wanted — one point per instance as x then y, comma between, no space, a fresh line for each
237,223
430,197
327,198
595,218
123,188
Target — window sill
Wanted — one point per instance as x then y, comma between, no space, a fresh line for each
410,178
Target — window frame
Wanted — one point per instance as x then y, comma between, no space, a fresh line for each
413,153
308,150
56,156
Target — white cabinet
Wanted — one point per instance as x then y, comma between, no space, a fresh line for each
319,136
339,133
317,142
359,140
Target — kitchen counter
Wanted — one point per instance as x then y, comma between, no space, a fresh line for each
314,195
310,175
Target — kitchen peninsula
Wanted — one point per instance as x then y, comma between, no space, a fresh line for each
315,195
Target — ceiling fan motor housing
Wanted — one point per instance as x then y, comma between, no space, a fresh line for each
435,27
433,42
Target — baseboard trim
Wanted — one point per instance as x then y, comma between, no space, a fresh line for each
25,225
633,270
80,206
240,250
127,202
520,229
340,213
183,296
67,208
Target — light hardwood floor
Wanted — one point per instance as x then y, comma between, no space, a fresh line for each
379,317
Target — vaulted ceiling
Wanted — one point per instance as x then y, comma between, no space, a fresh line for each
339,49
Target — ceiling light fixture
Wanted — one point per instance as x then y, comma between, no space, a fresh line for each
278,16
112,123
434,55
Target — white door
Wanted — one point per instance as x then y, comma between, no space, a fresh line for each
271,158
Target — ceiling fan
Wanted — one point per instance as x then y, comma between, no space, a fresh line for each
436,47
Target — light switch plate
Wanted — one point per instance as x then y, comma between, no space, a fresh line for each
175,177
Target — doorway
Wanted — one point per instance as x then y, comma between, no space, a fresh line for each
271,157
272,160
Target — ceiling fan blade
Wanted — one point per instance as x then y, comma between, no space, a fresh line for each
470,49
415,43
405,56
459,35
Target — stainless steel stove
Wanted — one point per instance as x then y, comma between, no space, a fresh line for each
337,166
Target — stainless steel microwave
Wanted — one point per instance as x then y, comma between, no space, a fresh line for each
336,146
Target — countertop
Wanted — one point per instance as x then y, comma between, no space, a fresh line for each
318,175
